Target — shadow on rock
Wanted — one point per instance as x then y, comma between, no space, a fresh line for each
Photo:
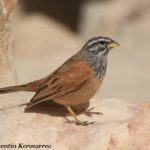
53,109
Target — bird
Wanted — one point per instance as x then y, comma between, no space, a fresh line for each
76,81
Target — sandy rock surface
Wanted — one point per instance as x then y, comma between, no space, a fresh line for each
123,126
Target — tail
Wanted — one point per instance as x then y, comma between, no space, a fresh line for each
10,107
31,87
13,89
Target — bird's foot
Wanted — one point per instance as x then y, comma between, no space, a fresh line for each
78,122
89,112
85,123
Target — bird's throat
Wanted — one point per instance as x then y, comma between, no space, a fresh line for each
98,63
99,66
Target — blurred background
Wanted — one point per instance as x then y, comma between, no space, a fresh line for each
48,32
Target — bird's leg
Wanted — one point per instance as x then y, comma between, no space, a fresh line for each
77,121
73,114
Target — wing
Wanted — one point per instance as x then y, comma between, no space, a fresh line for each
71,76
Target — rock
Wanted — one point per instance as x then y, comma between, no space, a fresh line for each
110,17
122,126
7,71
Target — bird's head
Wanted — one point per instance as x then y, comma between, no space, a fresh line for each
99,45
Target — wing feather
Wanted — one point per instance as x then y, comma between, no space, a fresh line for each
63,81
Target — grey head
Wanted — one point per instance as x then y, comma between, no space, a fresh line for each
99,46
95,51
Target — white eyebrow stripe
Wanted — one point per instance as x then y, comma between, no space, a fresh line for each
107,40
94,41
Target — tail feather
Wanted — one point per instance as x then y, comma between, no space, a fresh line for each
10,107
31,87
13,89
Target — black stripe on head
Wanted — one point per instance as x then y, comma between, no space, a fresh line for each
96,40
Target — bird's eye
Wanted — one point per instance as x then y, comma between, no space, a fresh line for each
102,42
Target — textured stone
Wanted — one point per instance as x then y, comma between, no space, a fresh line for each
7,73
122,126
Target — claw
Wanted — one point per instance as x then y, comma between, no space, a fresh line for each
69,121
89,112
85,123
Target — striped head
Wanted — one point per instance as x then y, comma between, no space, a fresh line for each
99,45
95,51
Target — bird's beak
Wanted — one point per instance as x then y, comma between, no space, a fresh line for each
113,44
